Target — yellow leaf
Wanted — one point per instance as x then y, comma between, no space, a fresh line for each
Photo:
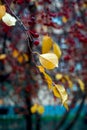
2,11
48,80
62,92
34,108
40,109
46,44
9,20
15,53
57,50
58,76
56,92
82,85
2,56
41,69
48,60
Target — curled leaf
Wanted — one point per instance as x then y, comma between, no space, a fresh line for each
46,44
57,50
62,92
48,60
56,92
9,20
2,11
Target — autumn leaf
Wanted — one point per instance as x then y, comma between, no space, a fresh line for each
41,69
37,108
56,92
48,60
46,44
2,11
34,108
40,109
81,84
48,80
59,92
62,92
9,20
46,76
57,50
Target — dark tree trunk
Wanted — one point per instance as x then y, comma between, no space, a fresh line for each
38,121
29,115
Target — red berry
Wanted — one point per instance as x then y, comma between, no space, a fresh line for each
36,42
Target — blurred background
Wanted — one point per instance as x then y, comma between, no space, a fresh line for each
26,103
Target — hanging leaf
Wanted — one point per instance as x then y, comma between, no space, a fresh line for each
9,20
2,11
56,92
46,76
48,80
57,50
46,44
41,69
62,92
48,60
58,76
2,56
81,84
